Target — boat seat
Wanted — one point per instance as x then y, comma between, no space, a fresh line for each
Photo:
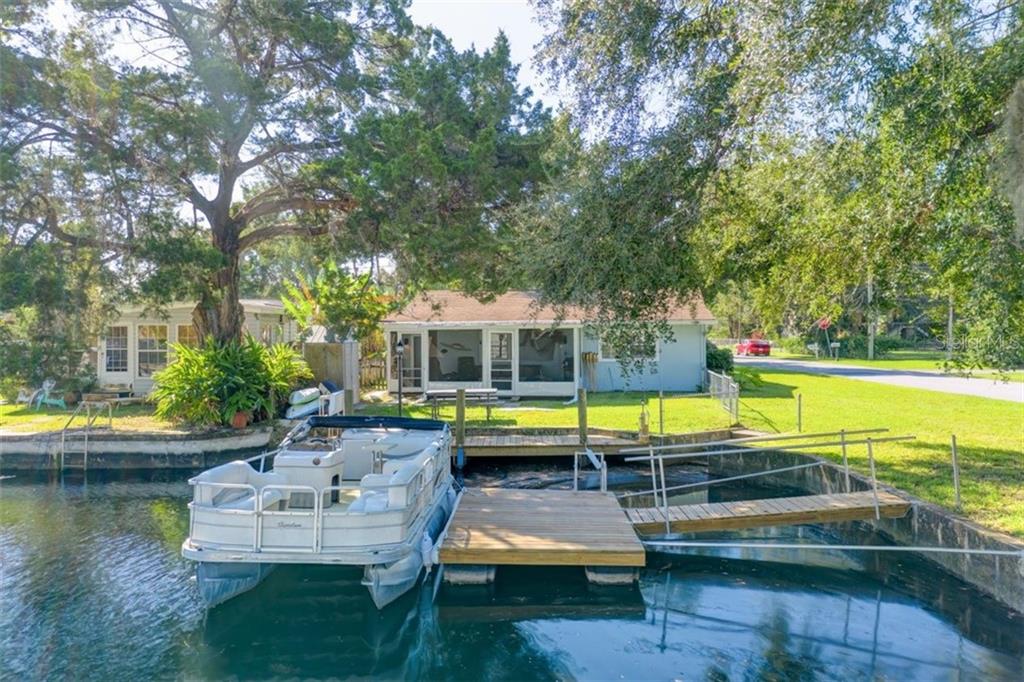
237,472
270,497
370,501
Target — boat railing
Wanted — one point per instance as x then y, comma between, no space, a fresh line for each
274,529
216,487
265,514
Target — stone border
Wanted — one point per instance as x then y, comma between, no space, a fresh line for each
134,449
926,525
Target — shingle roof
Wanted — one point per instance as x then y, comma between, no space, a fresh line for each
445,306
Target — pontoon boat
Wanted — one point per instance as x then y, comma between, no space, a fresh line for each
369,491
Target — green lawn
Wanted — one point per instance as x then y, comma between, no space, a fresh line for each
21,418
931,361
604,410
990,436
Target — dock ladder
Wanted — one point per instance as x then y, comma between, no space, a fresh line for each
74,442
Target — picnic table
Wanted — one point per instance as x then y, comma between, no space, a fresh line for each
487,396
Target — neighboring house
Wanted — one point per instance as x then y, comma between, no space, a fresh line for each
454,341
135,346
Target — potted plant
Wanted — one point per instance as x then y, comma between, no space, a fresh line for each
240,419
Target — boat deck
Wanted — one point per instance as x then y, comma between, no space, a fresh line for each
779,511
551,445
500,526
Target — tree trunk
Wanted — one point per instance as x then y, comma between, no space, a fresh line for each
871,318
949,329
219,311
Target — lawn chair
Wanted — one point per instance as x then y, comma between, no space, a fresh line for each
27,396
45,399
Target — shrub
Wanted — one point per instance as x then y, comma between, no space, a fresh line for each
748,378
857,346
206,386
719,359
794,344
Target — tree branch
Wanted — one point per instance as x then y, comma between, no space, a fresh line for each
270,206
275,230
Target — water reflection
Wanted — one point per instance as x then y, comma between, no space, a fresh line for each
93,588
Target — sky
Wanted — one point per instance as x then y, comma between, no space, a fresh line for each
475,23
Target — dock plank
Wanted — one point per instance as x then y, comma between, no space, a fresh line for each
502,526
780,511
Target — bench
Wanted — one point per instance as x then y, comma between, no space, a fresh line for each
487,396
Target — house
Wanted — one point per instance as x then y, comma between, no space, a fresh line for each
451,340
135,345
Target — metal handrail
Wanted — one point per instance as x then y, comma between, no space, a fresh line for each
713,481
795,446
751,439
843,442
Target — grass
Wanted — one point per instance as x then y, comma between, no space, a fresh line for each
604,410
990,438
23,419
925,360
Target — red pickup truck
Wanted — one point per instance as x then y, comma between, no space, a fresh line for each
753,347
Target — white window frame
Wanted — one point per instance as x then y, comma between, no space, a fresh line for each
139,351
126,350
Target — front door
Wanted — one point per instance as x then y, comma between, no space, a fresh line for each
501,362
412,362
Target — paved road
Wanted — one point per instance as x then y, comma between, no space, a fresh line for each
929,381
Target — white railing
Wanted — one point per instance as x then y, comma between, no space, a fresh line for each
726,391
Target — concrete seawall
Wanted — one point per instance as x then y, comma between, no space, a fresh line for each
135,450
926,525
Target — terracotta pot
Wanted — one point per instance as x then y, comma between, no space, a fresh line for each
240,420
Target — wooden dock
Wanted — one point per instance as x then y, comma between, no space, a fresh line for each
501,526
779,511
551,445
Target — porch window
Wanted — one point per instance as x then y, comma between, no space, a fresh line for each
152,348
456,355
187,335
546,355
116,349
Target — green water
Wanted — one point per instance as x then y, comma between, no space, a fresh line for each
92,587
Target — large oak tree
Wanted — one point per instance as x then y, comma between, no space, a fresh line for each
199,130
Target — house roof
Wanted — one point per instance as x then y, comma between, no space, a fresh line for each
452,307
272,305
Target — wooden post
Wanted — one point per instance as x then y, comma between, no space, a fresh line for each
956,473
350,401
661,412
581,409
799,413
846,463
874,478
460,417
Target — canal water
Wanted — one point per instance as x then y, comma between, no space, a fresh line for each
92,586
